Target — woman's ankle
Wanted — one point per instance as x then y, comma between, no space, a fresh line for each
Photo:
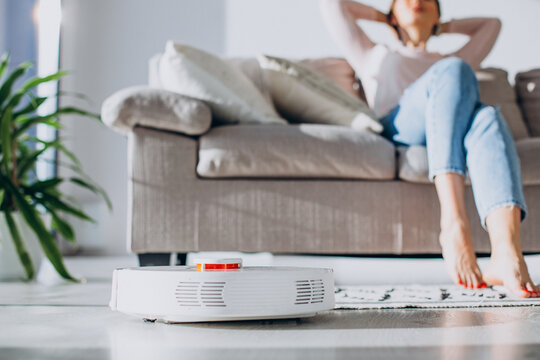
506,248
454,222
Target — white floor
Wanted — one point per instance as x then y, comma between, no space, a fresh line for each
52,319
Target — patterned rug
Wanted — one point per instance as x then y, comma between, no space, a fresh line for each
424,296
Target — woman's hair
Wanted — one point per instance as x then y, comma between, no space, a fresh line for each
389,16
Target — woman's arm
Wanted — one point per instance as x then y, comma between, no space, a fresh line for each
483,33
340,17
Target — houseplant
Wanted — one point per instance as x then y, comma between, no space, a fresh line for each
20,190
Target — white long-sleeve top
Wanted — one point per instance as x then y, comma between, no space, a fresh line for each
386,72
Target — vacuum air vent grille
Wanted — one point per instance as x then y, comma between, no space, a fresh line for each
200,294
309,292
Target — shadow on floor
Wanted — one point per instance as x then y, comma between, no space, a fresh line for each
382,319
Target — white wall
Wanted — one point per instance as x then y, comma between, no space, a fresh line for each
107,44
295,28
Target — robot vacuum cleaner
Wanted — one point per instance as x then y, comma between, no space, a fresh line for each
221,290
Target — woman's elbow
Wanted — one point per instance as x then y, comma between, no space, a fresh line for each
497,24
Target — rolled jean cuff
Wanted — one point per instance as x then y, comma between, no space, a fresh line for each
455,170
522,206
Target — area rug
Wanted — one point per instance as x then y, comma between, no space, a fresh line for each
424,296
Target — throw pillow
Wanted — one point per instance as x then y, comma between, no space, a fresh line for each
231,96
304,95
251,68
339,71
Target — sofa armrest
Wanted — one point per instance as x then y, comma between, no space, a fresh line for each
155,108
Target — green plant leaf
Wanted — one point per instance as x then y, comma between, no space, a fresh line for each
62,227
5,89
23,254
4,60
58,145
32,83
77,111
70,155
63,164
31,107
5,137
15,100
35,102
57,204
26,122
94,188
28,162
74,94
43,185
46,240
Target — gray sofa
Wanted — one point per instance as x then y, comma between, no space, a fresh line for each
298,188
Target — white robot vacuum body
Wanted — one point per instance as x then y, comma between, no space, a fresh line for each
221,290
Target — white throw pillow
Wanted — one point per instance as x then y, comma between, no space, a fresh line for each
230,94
304,95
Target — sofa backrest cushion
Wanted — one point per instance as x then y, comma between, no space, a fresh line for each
294,151
496,90
528,93
232,97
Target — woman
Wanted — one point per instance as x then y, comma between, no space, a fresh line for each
430,99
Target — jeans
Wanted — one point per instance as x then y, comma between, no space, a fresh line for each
442,111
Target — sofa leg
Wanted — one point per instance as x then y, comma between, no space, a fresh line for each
181,258
161,259
154,259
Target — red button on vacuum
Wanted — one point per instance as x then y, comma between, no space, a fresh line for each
218,264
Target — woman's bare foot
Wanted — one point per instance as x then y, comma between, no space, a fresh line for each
508,268
459,256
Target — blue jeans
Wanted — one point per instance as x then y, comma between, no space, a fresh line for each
442,111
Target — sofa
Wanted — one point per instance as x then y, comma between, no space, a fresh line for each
300,188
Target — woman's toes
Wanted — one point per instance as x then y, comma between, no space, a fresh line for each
478,280
535,290
524,293
470,282
479,277
466,281
519,291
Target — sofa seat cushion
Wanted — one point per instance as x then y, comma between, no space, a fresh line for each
294,151
413,165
